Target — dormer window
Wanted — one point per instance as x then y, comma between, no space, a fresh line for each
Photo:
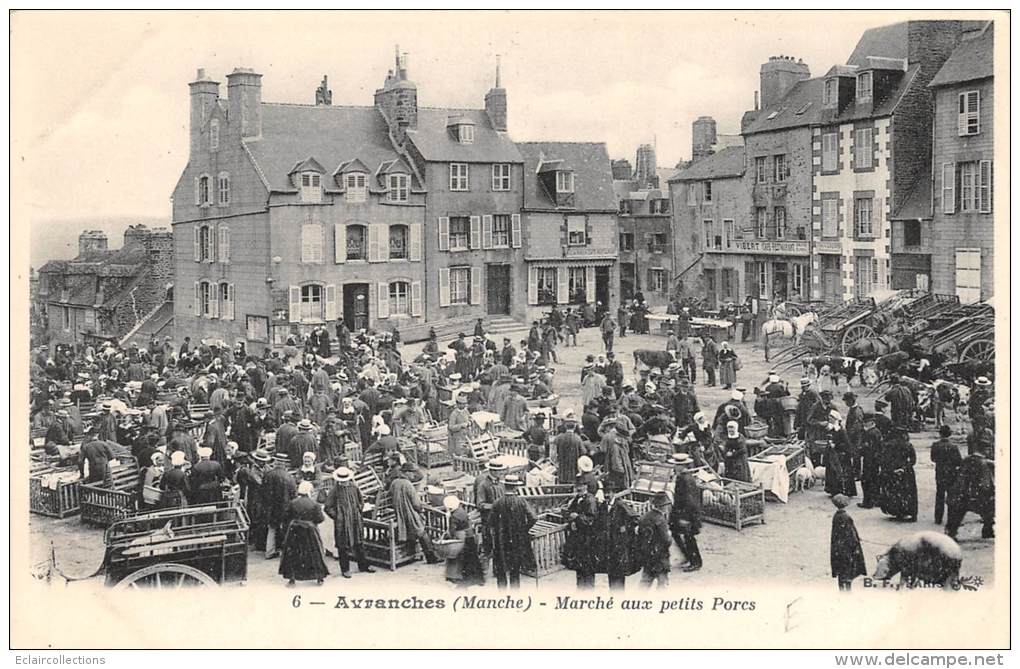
214,135
830,94
564,182
466,133
354,184
311,187
398,184
864,87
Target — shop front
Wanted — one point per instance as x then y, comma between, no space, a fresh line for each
569,283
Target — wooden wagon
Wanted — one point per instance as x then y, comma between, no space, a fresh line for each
53,491
731,503
178,548
113,499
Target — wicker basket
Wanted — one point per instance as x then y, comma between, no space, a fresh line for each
449,549
756,430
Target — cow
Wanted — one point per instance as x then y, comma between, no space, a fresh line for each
834,367
654,358
923,558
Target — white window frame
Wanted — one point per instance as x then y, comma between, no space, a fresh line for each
761,170
549,277
779,168
466,133
206,243
798,278
501,177
657,280
761,222
407,242
204,195
564,181
779,220
969,113
859,219
399,187
577,280
459,177
864,92
223,189
208,299
311,186
400,305
356,187
460,285
497,242
864,150
466,236
308,301
830,152
214,135
364,242
968,174
577,231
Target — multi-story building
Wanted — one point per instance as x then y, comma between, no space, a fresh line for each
710,205
570,231
390,216
105,294
956,236
870,151
645,230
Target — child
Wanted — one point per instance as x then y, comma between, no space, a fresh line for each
846,558
947,461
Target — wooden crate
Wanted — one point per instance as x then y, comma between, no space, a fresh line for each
381,545
482,449
639,503
548,535
548,497
431,452
513,443
653,477
59,502
103,503
731,503
795,458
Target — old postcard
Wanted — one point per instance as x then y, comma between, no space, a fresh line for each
521,329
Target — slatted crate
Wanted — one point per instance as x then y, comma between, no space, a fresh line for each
795,458
54,498
548,497
548,536
113,499
732,503
482,449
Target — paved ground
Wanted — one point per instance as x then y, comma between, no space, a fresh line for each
793,544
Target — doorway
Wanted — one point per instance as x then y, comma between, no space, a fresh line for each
356,306
780,280
602,286
627,281
497,282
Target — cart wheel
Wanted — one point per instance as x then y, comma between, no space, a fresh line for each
981,350
165,576
854,334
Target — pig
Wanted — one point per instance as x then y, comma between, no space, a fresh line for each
922,558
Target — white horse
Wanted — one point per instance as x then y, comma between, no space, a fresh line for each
792,328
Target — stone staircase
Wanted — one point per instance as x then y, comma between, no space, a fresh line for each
497,326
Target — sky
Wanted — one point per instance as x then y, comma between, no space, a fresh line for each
100,122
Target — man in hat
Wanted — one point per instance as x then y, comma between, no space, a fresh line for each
686,353
979,394
537,438
620,469
488,489
215,437
608,328
854,427
286,432
459,426
515,411
817,427
283,405
685,404
946,458
654,540
839,475
278,489
206,477
95,456
580,550
805,402
106,430
344,505
250,476
973,491
182,441
509,524
709,359
407,508
569,447
614,372
685,519
901,402
303,442
60,432
846,558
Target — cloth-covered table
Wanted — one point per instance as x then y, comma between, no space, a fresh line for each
773,476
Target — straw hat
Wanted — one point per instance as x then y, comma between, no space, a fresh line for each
343,475
451,503
585,464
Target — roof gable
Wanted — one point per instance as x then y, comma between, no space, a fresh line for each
436,143
973,59
308,165
727,163
352,166
593,174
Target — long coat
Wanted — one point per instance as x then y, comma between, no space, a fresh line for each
407,508
655,540
735,459
509,524
344,506
458,424
619,466
278,489
839,475
580,550
569,448
899,496
302,545
846,558
685,517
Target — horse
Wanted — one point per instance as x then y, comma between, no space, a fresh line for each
791,328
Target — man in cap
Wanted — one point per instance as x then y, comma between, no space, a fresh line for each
979,394
805,402
569,447
302,442
608,329
686,354
106,430
537,438
278,489
816,428
60,432
685,519
250,476
407,508
973,491
509,524
654,541
620,469
459,426
685,404
175,483
344,505
284,404
206,477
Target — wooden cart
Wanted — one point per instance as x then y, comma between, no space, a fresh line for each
113,499
178,548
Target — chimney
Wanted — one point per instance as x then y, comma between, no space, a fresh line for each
756,101
398,99
622,170
778,76
204,94
703,137
644,165
495,103
244,101
92,240
323,96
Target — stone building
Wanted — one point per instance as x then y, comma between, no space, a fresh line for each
570,226
105,294
645,228
945,241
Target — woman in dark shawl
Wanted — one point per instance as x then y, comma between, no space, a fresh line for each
302,546
845,555
899,497
734,449
839,475
580,549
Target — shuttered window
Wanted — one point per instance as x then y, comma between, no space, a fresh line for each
546,285
311,243
969,119
830,152
830,217
227,301
223,251
460,285
968,275
223,189
354,184
863,149
948,188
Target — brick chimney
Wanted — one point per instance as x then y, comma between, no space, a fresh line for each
778,76
398,99
92,240
204,94
495,103
244,101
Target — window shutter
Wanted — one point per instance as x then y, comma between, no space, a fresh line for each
228,307
415,243
383,302
306,250
948,188
985,187
374,243
444,286
487,230
589,284
562,285
198,243
198,298
515,230
215,299
295,304
587,231
214,246
224,249
340,243
476,233
331,302
974,109
476,285
198,196
961,117
877,218
444,238
532,285
416,298
648,279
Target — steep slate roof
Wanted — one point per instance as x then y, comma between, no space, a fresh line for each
917,204
330,134
727,163
593,174
881,107
435,142
885,41
972,59
806,93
